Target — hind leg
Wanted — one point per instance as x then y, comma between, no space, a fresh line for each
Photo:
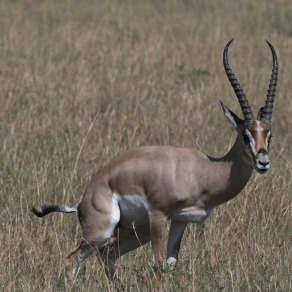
158,237
73,261
98,222
126,241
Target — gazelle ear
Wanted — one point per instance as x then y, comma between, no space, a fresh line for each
260,113
231,116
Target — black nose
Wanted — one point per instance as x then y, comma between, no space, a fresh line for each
264,163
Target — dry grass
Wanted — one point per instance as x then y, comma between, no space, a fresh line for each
138,72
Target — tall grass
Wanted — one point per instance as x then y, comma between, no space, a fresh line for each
81,81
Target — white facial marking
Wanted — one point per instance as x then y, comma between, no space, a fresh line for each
268,138
258,127
251,142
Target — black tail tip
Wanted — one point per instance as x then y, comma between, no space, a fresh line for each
37,212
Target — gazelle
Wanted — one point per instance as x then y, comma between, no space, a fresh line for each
134,194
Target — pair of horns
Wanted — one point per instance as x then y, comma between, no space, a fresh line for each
265,113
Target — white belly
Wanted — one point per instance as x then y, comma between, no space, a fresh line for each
134,209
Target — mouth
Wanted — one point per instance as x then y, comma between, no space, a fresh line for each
260,168
261,171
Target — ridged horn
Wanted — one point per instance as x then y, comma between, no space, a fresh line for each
266,114
246,110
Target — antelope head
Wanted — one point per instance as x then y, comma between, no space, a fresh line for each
255,134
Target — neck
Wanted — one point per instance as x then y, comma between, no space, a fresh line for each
233,171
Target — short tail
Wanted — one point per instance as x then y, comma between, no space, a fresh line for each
46,209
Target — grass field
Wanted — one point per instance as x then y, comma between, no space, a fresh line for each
81,81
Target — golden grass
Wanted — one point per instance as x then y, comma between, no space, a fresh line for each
139,73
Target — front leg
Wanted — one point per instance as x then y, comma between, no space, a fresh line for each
176,232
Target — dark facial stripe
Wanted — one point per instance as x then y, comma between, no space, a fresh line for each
263,151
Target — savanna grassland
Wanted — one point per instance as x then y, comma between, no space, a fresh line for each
81,81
